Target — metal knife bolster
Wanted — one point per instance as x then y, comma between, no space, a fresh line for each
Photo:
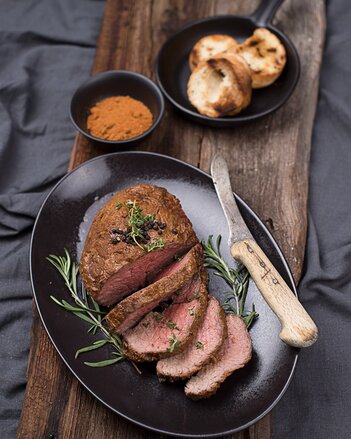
238,230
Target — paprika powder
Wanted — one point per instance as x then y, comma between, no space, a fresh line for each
118,118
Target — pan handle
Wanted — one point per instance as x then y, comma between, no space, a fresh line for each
265,12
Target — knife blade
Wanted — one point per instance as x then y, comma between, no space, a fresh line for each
297,327
238,230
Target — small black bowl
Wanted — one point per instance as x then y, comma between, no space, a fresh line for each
116,83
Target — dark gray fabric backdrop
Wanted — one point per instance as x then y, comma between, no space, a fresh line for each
317,403
46,50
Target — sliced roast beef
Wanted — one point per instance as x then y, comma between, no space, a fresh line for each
201,350
163,334
130,310
234,354
135,234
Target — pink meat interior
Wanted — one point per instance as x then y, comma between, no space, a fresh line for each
210,335
155,332
137,274
135,316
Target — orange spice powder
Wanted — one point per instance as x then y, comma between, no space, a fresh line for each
119,118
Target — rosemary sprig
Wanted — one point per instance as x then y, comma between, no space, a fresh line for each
237,280
86,309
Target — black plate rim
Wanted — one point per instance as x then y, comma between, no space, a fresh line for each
140,424
234,120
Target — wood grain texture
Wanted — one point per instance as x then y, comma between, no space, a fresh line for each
268,162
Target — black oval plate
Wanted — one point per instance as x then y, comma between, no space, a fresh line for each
248,394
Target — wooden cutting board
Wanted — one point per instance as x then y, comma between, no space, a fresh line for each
268,161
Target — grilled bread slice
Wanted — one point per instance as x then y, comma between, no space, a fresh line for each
209,46
221,85
265,55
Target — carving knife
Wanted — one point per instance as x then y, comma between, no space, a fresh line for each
297,327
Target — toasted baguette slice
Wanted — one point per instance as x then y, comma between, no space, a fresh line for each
209,46
265,55
221,85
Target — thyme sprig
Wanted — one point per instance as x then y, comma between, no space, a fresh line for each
136,227
135,220
172,325
86,309
154,244
199,345
237,280
173,343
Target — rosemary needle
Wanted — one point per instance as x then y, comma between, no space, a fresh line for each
237,280
90,313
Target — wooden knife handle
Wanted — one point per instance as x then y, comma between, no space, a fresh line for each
298,329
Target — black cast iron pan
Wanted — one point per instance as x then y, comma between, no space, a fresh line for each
172,67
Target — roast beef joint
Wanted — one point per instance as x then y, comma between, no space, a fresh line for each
143,259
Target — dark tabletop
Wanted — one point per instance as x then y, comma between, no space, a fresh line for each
46,50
